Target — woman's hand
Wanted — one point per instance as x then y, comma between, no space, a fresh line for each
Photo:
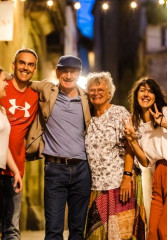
17,182
133,142
125,188
158,117
129,130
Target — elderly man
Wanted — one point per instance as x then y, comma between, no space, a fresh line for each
58,133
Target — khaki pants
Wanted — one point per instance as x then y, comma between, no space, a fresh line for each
158,214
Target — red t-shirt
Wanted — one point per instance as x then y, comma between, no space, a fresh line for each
21,108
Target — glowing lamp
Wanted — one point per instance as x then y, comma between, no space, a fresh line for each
105,6
50,3
133,4
77,5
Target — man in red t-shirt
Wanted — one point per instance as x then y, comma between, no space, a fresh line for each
21,104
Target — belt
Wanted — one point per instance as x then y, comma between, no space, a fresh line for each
62,160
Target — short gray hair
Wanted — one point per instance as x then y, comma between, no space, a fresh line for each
97,77
25,50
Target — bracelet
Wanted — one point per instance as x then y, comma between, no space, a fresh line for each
128,173
161,120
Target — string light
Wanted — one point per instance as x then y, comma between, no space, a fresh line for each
105,6
50,3
162,2
133,4
77,5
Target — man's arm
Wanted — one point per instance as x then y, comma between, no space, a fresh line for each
39,85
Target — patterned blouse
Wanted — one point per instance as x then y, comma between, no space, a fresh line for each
105,148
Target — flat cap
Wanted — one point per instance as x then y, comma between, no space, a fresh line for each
69,61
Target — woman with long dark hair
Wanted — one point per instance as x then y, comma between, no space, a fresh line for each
149,120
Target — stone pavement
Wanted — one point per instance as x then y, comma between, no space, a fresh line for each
37,235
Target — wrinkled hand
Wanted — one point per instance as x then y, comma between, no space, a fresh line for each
158,116
129,130
17,182
125,189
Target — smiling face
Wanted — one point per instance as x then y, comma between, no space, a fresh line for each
145,97
98,93
3,83
24,67
67,78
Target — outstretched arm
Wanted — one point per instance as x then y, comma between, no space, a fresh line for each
39,85
132,140
12,165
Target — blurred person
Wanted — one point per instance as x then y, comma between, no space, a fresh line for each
58,134
6,157
149,119
111,209
21,104
5,154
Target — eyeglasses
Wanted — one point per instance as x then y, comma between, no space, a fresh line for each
99,91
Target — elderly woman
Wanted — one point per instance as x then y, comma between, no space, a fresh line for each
111,208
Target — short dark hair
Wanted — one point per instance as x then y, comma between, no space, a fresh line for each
25,50
134,105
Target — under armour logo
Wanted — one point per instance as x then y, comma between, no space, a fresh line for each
14,107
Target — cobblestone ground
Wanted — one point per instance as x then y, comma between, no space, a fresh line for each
37,235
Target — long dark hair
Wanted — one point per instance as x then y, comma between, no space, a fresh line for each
136,110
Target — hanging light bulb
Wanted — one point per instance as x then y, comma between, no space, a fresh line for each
50,3
77,5
133,4
105,6
161,2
